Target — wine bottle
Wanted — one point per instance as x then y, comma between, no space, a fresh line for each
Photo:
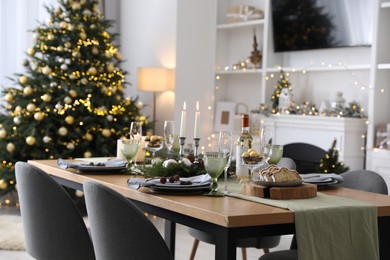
244,142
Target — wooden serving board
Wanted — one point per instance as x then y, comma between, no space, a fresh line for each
303,191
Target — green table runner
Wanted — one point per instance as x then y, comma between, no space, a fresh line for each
330,227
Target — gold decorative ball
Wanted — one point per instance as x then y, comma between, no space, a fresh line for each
69,120
63,24
30,51
95,51
46,139
72,77
75,54
46,97
17,120
67,100
63,131
39,116
88,137
70,27
110,67
23,80
84,81
46,70
118,55
92,70
68,44
70,146
108,55
10,147
83,35
27,91
31,107
106,132
18,110
73,93
30,140
3,184
76,6
9,97
87,154
50,36
3,133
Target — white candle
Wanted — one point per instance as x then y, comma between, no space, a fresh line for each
197,115
183,121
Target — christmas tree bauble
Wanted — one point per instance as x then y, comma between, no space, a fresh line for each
23,80
92,70
46,98
27,90
106,132
30,140
84,81
10,147
67,100
70,146
63,25
17,120
46,139
64,67
17,110
95,51
9,97
87,154
30,107
3,184
83,35
88,137
50,36
39,116
59,106
46,70
69,120
63,131
3,133
110,67
73,93
76,6
118,55
30,51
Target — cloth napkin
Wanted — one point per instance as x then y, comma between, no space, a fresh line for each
331,227
321,177
141,182
65,164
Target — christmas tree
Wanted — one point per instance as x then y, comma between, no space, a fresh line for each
282,83
330,163
69,102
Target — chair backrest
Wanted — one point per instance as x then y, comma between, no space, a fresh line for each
119,229
364,180
53,226
306,156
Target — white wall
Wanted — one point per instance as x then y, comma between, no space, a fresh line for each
148,39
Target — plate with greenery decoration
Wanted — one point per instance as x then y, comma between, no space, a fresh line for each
163,169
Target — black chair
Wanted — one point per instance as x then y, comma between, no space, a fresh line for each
358,179
306,156
119,229
53,226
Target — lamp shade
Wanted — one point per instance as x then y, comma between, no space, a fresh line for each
155,79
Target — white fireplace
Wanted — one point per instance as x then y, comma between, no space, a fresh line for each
321,131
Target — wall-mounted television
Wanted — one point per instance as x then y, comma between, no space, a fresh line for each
318,24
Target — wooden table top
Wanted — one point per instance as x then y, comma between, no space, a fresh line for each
223,211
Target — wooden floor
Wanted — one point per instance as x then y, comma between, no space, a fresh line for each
183,244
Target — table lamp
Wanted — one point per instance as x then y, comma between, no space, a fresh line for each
155,80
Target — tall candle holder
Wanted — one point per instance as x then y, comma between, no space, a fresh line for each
182,142
196,151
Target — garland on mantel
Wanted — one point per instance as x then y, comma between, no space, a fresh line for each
307,108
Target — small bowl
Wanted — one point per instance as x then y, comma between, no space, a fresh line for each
252,159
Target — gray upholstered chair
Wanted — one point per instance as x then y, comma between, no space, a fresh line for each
358,179
119,229
53,226
263,242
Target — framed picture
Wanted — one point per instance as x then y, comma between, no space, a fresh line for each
224,116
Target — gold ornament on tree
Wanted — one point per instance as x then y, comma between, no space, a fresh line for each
106,132
3,133
30,140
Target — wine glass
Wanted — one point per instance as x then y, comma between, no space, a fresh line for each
277,153
225,146
252,162
153,144
136,134
129,148
214,163
266,143
169,134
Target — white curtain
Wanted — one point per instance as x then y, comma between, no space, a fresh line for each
17,19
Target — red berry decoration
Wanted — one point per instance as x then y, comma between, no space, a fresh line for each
171,179
163,180
176,177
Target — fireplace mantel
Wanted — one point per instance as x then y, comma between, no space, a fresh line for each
321,131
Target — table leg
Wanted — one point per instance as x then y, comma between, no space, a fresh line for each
170,235
384,231
225,245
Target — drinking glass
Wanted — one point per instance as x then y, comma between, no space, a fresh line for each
251,163
169,134
214,163
266,143
277,154
136,134
225,146
153,145
129,148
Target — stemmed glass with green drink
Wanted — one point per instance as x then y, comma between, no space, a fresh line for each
129,148
214,163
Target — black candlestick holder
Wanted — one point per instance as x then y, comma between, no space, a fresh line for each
182,142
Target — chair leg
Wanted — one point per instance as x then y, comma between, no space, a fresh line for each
266,250
243,252
194,248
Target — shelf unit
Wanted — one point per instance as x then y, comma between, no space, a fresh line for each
378,159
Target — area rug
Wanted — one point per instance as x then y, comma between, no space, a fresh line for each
11,233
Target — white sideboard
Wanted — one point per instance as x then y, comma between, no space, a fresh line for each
321,131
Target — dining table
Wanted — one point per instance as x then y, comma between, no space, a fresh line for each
227,218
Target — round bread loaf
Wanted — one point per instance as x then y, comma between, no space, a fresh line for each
275,174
